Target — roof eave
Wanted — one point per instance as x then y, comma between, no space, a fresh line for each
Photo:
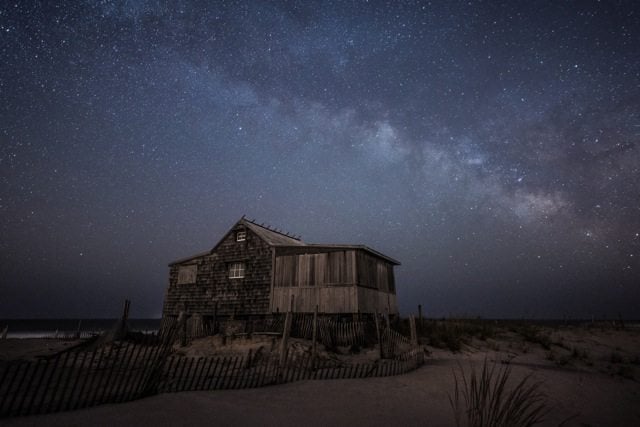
189,258
340,246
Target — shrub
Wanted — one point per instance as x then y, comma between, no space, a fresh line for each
452,333
489,401
533,335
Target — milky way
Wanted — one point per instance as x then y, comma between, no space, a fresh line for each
491,148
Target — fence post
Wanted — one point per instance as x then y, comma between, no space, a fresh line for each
182,324
122,330
78,331
414,333
285,336
378,334
215,318
314,334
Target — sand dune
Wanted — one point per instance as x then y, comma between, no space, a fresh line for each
590,377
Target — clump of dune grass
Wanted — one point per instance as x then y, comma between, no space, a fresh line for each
486,398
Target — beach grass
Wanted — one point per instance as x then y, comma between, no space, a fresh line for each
486,398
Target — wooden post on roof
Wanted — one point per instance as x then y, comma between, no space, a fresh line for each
420,317
4,332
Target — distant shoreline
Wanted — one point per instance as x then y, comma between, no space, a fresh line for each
61,327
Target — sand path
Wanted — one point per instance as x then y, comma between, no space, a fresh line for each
418,398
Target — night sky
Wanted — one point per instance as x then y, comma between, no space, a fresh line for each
491,148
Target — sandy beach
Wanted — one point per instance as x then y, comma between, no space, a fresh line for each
590,377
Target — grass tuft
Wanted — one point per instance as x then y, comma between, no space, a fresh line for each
486,399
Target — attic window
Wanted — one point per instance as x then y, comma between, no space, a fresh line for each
241,236
236,270
187,274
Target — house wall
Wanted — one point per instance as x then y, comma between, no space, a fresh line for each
375,273
333,299
337,281
245,296
371,301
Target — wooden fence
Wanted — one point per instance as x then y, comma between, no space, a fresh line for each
331,331
238,372
117,372
111,371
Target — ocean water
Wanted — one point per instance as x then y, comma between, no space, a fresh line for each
50,328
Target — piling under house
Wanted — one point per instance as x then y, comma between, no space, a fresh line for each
256,270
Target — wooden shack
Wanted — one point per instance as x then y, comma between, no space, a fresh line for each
257,270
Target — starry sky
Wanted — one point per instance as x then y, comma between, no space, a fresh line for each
490,147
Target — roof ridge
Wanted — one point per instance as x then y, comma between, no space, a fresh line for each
273,230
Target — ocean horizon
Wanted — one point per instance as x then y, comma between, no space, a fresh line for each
50,328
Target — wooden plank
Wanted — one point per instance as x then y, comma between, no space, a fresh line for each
25,368
87,379
14,368
136,372
95,383
57,382
206,367
315,332
33,370
219,375
84,368
204,373
233,372
414,333
238,373
178,370
213,374
125,368
167,376
65,387
226,376
196,372
272,279
108,384
187,376
259,378
30,408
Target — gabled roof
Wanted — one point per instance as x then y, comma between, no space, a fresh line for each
270,236
189,258
274,237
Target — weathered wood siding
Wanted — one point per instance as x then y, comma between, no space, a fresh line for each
337,268
329,299
375,273
245,296
371,301
338,281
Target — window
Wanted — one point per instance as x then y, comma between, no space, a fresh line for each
236,270
241,236
187,274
